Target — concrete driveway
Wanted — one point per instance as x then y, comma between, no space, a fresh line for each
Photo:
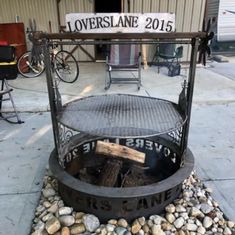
25,148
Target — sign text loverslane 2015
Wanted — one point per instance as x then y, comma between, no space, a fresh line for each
124,22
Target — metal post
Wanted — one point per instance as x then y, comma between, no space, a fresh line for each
1,96
51,95
192,70
58,13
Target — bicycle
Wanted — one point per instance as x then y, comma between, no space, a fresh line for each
31,64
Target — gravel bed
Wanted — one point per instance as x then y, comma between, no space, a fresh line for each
193,213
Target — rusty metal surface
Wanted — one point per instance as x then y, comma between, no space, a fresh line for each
120,115
84,36
129,203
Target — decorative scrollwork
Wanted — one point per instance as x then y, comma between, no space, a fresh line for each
65,136
58,100
176,136
182,102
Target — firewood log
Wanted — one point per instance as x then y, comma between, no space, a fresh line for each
119,151
110,172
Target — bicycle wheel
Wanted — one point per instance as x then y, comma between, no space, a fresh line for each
66,66
28,67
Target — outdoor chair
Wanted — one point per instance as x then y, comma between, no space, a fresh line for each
170,60
167,55
8,71
123,58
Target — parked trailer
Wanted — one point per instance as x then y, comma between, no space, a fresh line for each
226,21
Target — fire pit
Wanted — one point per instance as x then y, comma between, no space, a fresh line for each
162,176
91,182
148,125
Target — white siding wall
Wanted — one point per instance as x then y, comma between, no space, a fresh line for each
212,8
44,11
77,6
189,14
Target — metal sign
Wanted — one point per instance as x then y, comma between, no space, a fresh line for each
123,22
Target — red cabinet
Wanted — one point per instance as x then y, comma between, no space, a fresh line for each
14,34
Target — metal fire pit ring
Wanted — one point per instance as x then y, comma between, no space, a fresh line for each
128,203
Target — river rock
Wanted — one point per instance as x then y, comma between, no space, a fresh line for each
91,222
36,220
201,230
221,222
79,215
170,208
180,232
227,231
230,224
52,225
157,219
110,227
48,192
120,230
112,221
60,203
78,221
122,223
170,218
214,230
141,232
57,198
141,220
47,217
67,220
135,228
205,208
207,222
103,231
215,204
180,208
46,204
184,215
198,222
65,231
40,232
156,230
77,229
146,228
187,215
190,227
42,214
54,207
202,199
166,226
209,190
40,209
179,222
39,226
65,210
127,233
195,212
150,223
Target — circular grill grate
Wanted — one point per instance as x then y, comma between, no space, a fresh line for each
121,115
